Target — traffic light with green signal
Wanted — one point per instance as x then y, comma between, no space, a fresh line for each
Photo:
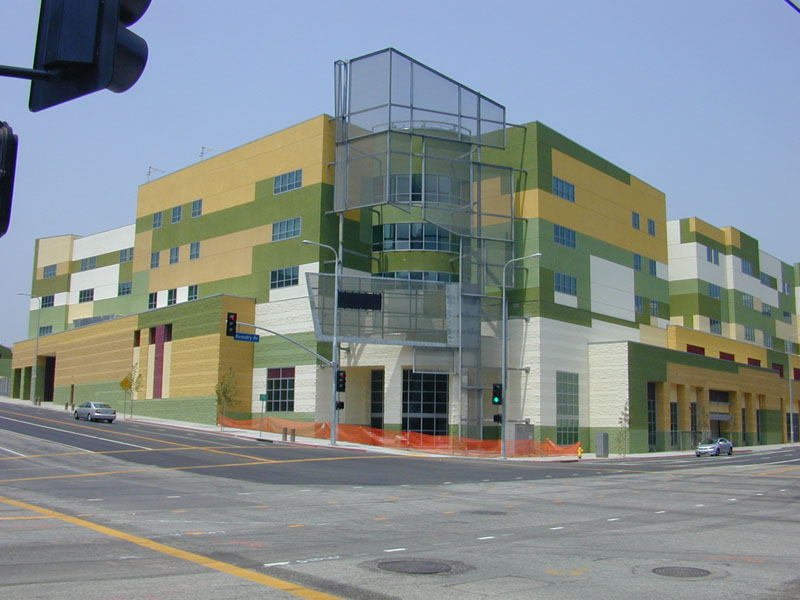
497,394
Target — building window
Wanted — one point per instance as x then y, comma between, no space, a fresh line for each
766,309
766,280
283,277
440,276
425,402
787,317
651,415
635,220
124,288
692,349
712,255
280,390
197,208
787,287
716,326
174,254
747,300
748,268
769,340
168,332
637,262
788,346
152,300
566,284
287,182
158,219
137,338
192,292
86,295
727,356
49,271
177,214
755,362
283,230
46,301
714,291
154,259
172,296
749,333
566,408
412,236
564,236
654,308
45,330
673,423
778,367
639,304
651,227
87,264
653,267
376,393
563,189
126,255
194,251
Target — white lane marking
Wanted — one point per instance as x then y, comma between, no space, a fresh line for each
394,549
555,528
614,519
732,500
94,437
94,499
276,564
173,496
486,537
699,505
660,512
20,454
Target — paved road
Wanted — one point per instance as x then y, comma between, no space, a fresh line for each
132,510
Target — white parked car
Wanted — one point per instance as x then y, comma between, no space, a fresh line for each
96,411
714,447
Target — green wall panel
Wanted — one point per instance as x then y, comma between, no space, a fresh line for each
189,319
274,351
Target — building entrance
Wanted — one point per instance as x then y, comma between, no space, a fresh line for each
425,400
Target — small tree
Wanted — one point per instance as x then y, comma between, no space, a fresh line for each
226,393
623,433
132,384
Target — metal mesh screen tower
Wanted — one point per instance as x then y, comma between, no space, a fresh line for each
411,137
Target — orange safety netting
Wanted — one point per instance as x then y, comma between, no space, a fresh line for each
437,444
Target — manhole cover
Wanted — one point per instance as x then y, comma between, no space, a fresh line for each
414,567
681,572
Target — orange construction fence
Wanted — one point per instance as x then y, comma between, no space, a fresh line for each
436,444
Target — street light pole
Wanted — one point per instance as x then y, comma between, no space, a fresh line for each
36,346
505,355
335,351
791,400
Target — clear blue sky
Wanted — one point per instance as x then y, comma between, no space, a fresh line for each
697,98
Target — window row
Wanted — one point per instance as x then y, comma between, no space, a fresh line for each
172,297
404,188
420,276
564,236
153,335
638,262
176,214
287,181
174,255
636,223
412,236
283,230
639,303
563,189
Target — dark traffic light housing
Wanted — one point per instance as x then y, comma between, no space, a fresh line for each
497,394
230,325
341,380
8,164
85,46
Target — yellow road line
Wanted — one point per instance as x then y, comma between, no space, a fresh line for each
28,518
199,559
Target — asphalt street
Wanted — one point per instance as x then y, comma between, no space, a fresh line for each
139,510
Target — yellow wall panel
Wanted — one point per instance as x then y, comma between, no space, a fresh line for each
82,310
706,229
733,237
679,337
194,366
54,251
228,179
141,260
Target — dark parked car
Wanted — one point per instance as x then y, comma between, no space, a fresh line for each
714,447
96,411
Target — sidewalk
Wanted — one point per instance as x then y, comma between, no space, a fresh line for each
269,437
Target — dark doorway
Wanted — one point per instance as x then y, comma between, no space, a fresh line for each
49,378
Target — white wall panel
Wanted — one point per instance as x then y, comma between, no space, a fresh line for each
612,289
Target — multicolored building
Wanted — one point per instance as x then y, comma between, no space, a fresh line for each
436,210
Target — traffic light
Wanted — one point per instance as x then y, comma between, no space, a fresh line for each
341,380
8,164
230,326
339,405
86,46
497,418
497,394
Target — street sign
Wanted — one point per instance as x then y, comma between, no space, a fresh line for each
246,337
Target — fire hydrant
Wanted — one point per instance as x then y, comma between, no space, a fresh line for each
580,451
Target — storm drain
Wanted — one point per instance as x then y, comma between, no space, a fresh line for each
681,572
414,567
